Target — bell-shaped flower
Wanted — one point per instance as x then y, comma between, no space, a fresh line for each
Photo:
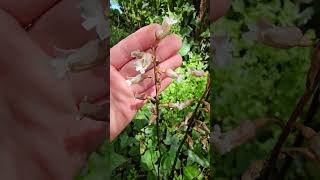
143,61
236,137
198,73
165,27
93,13
279,37
174,75
66,60
135,80
222,50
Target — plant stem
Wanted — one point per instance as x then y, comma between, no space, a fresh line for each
190,126
285,133
158,86
314,107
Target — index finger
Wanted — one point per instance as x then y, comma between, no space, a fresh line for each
142,40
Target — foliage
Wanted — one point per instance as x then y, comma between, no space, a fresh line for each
262,82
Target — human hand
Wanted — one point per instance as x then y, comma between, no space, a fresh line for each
40,136
123,104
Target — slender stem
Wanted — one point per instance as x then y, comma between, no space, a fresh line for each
285,133
158,86
313,108
190,126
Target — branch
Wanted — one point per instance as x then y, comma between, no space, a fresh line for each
313,108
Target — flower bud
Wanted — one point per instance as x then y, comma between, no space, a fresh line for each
198,73
165,27
174,75
144,62
135,80
279,37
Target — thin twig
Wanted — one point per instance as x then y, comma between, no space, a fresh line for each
158,86
190,126
313,108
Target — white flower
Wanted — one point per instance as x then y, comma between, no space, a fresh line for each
165,27
135,80
222,50
198,73
279,37
144,62
169,21
94,14
61,68
174,75
66,58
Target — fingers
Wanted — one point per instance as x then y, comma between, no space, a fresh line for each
61,27
172,63
142,40
167,48
26,12
23,65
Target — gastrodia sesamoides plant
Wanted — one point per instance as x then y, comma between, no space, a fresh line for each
165,29
143,60
276,36
93,13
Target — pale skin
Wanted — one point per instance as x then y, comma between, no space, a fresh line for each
39,136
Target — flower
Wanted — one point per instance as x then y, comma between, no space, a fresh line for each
169,21
94,14
66,59
165,27
144,62
222,50
61,68
279,37
174,75
229,140
198,73
135,80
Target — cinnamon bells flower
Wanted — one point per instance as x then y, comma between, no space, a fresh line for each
174,75
135,80
66,59
93,13
279,37
165,27
197,73
227,141
143,61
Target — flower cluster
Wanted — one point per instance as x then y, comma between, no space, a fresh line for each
143,60
90,54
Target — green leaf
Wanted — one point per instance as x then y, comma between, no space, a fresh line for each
198,159
149,159
191,172
185,48
116,160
